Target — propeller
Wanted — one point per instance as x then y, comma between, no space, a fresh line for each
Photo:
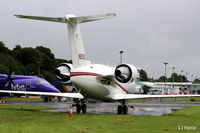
10,79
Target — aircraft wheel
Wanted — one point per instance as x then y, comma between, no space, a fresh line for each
84,108
119,109
125,109
45,99
78,108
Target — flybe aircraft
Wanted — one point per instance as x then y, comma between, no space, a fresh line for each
95,81
21,83
28,85
25,83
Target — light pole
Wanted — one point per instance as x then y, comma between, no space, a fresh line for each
181,75
192,77
165,63
173,75
186,76
121,52
195,78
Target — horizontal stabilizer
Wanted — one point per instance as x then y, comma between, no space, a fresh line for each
69,18
62,20
69,95
84,19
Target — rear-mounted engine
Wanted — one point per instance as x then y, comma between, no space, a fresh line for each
125,73
62,72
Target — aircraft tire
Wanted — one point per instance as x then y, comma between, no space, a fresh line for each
78,108
45,99
119,109
84,108
125,109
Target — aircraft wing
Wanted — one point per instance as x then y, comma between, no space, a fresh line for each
69,95
142,96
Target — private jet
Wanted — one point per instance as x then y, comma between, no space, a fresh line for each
95,81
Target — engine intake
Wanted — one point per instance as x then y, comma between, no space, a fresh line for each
62,72
125,73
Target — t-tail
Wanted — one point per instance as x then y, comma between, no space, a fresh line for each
75,40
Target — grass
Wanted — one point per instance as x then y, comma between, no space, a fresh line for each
23,99
188,101
138,100
184,102
26,99
196,99
31,120
135,101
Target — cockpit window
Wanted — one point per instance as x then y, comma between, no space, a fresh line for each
42,82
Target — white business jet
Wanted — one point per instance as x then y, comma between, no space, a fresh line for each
94,81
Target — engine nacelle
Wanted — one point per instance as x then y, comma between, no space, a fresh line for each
125,73
62,72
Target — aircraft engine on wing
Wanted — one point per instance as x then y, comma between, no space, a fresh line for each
125,73
63,72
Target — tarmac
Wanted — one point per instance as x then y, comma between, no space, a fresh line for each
152,108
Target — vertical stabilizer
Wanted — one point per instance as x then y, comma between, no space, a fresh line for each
75,40
76,43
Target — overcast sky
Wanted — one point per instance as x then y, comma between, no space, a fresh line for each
150,32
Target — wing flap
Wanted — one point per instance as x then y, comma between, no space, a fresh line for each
69,95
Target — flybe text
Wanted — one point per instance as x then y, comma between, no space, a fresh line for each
18,87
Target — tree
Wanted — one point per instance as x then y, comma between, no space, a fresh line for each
3,69
31,69
175,76
182,78
46,51
197,80
59,61
6,59
4,49
17,47
143,75
48,60
28,55
29,61
162,79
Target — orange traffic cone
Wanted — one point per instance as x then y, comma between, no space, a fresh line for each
70,113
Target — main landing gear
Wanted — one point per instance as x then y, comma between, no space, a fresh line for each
122,109
81,107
